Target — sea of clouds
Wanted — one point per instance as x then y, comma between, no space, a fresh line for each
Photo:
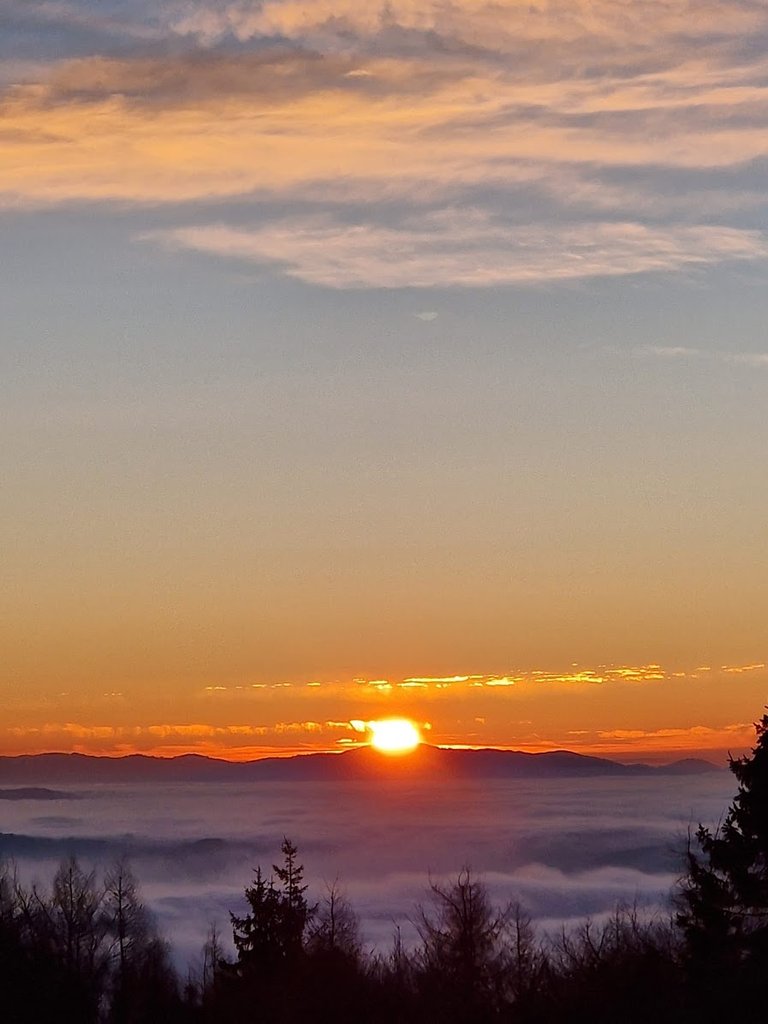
565,848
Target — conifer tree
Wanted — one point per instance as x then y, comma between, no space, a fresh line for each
274,929
295,912
723,900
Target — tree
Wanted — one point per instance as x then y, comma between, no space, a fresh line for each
142,981
723,898
211,965
127,920
76,912
464,951
273,931
623,969
295,911
255,934
335,930
267,978
525,959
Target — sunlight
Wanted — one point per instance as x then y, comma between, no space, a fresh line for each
394,735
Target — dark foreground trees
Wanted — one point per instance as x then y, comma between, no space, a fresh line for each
294,961
84,952
473,963
473,957
723,903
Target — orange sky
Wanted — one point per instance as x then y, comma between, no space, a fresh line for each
628,713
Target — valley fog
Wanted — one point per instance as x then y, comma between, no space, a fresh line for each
566,848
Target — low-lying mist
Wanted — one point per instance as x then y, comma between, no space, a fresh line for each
566,848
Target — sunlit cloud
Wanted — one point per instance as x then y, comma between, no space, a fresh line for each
696,731
493,24
465,248
440,679
465,113
575,676
179,737
409,96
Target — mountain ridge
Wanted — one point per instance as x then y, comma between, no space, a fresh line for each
359,763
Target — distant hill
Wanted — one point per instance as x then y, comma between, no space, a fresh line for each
30,793
358,764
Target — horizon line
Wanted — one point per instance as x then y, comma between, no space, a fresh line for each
650,758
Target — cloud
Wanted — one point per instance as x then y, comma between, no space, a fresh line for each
672,352
190,79
697,732
490,24
751,358
464,248
233,740
669,351
408,98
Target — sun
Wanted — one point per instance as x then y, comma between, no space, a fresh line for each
394,735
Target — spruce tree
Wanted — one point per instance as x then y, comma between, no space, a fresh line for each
273,931
295,912
723,900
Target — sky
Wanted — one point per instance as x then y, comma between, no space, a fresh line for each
369,359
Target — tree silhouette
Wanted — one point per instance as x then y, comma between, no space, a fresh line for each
335,929
464,950
294,911
272,932
723,899
141,974
270,942
84,953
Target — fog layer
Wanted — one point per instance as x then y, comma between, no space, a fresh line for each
566,848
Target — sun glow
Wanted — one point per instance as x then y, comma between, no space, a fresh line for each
394,735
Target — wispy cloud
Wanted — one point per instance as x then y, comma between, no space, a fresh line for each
465,248
490,24
695,732
670,351
682,352
574,676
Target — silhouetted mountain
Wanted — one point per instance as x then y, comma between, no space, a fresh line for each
35,793
690,766
360,763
